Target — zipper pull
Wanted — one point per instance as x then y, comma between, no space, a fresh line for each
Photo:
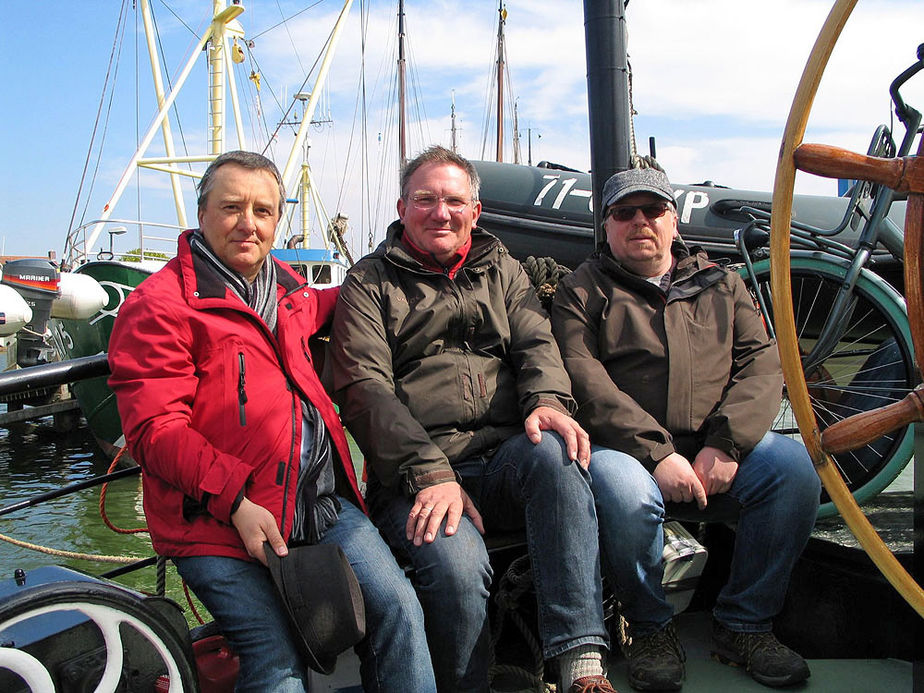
241,391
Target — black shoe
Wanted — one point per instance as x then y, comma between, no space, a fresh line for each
765,658
656,661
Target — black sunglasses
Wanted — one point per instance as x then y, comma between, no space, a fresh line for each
653,210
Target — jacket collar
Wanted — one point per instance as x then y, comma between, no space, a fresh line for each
689,262
430,262
201,283
480,253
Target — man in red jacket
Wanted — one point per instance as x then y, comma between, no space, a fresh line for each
240,445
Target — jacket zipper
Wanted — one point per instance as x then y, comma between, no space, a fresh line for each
241,389
295,412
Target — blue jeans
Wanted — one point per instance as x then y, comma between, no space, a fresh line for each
774,498
243,600
521,485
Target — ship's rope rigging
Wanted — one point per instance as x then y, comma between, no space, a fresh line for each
248,75
111,72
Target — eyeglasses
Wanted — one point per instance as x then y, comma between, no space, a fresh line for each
427,202
654,210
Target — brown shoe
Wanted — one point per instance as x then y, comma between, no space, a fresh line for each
592,684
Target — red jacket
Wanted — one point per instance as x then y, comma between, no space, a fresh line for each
210,401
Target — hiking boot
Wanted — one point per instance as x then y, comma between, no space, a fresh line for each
592,684
765,658
656,661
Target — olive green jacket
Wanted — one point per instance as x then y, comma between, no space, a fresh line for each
657,372
429,370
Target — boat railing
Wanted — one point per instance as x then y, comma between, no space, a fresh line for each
147,246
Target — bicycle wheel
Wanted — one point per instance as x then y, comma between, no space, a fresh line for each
87,636
870,366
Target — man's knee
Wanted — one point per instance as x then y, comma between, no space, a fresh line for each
454,566
617,477
790,464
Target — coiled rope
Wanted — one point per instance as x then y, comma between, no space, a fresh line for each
516,583
544,273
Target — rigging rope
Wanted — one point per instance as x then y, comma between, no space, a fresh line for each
68,554
69,250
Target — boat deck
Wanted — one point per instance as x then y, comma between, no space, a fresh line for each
707,674
704,674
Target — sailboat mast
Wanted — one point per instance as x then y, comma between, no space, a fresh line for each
607,96
293,164
502,15
516,134
402,99
225,16
169,148
455,145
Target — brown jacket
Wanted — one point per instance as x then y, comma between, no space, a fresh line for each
429,370
657,372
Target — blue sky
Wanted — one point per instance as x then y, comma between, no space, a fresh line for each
713,82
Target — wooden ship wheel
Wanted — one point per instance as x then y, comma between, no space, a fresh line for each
905,174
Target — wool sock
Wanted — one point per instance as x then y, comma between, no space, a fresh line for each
584,660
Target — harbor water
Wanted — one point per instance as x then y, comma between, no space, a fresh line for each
35,458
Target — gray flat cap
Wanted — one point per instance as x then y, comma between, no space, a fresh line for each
637,180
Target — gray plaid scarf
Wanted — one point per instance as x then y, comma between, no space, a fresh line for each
260,296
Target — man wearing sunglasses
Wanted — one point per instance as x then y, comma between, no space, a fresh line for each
673,370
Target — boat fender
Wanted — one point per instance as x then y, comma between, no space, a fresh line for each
15,313
81,297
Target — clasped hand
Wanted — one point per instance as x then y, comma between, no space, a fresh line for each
712,472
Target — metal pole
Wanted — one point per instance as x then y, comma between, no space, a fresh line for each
500,81
402,99
24,380
607,96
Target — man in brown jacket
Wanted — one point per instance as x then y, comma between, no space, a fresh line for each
447,375
673,370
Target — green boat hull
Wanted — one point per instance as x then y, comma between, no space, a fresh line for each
76,338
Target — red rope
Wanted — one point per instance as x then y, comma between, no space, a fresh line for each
102,501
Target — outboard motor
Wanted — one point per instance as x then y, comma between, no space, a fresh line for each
37,281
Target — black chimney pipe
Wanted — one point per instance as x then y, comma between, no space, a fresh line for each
607,96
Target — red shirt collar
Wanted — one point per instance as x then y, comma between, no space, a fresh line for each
431,263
